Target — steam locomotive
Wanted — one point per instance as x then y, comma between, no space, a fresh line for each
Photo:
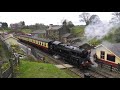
78,57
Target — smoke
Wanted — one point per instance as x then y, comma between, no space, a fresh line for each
97,30
106,43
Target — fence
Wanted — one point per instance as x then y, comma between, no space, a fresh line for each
9,72
13,61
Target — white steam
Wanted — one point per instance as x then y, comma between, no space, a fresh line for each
97,30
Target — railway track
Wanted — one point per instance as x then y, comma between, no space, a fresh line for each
94,73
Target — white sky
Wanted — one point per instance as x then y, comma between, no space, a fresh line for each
48,17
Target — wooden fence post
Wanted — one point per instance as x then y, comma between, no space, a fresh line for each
11,65
18,58
16,61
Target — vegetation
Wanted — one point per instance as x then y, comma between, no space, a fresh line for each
116,18
4,56
78,31
4,53
17,49
5,30
3,25
36,26
84,17
113,36
29,58
27,31
40,70
88,19
70,24
5,66
109,37
117,35
94,42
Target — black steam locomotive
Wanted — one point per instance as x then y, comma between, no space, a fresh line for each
76,56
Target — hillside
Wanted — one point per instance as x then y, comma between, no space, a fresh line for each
113,35
78,31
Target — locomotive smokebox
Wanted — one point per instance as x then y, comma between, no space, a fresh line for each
86,75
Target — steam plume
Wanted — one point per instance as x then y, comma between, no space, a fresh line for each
97,30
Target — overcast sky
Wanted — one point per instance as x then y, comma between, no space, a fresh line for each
47,17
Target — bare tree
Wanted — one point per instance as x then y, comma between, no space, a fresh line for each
115,18
94,19
84,17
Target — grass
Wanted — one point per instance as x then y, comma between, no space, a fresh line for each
26,31
5,30
41,70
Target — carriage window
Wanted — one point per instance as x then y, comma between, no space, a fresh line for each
102,56
39,42
43,44
111,57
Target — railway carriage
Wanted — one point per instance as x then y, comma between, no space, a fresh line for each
40,43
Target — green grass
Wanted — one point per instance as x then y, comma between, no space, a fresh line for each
41,70
26,31
78,30
5,30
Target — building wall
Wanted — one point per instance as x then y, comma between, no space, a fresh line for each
101,48
57,34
